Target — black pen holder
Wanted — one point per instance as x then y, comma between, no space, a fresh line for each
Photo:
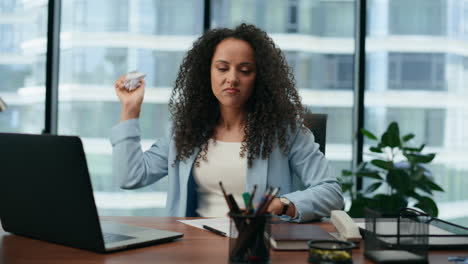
249,240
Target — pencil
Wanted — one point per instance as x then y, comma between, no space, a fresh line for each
263,201
249,204
270,199
226,197
235,208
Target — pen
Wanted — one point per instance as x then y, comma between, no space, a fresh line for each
235,208
226,197
249,203
263,200
209,228
272,195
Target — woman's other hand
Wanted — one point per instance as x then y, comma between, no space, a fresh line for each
276,207
131,100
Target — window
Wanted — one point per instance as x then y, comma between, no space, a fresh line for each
464,24
274,16
7,6
322,71
13,76
8,40
166,67
22,67
89,66
422,87
338,72
178,17
327,18
416,71
292,24
427,124
337,117
79,13
417,17
119,19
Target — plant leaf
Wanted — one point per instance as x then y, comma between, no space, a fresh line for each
373,187
408,137
391,137
411,149
388,203
421,158
369,174
387,165
415,149
421,147
375,149
357,206
362,166
434,186
424,188
427,205
346,173
368,134
417,174
398,180
430,184
413,194
346,187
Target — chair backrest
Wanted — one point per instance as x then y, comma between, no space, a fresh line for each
317,123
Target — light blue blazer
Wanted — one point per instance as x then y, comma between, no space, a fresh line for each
303,174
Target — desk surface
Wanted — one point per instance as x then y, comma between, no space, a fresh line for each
197,246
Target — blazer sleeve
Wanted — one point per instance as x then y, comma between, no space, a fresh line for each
323,191
133,167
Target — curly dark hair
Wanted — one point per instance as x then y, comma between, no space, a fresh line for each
273,107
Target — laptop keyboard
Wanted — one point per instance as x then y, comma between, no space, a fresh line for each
109,237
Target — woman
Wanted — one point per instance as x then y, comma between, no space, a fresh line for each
237,118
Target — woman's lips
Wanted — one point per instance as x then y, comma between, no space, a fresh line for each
231,90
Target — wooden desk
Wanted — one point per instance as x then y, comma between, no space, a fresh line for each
197,246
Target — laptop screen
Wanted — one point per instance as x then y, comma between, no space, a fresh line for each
46,192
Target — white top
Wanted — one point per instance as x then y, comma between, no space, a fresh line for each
223,164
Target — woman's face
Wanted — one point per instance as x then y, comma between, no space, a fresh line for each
233,72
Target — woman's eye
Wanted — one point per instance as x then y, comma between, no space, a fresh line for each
246,71
222,69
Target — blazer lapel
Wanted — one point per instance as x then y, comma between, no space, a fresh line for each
258,174
185,168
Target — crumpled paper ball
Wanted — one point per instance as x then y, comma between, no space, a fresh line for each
132,80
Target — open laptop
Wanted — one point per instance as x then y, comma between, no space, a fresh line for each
46,194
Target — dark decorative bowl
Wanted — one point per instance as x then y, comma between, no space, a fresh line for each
330,251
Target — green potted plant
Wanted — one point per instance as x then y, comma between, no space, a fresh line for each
396,168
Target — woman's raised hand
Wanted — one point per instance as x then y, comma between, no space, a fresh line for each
131,100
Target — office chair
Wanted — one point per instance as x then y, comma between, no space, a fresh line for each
317,123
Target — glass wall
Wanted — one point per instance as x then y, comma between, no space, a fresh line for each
100,41
417,75
20,87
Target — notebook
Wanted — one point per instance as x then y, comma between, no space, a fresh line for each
295,236
46,194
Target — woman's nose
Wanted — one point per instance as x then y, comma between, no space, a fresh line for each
232,78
